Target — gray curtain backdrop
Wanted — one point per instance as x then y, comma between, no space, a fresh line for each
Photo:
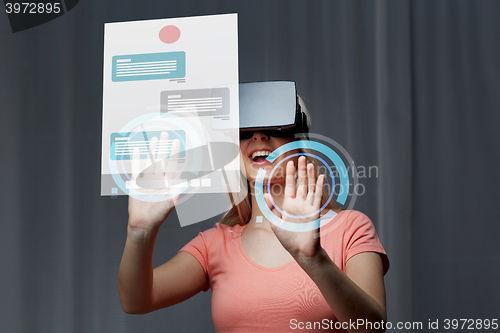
409,87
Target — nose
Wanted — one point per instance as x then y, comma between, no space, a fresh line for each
260,136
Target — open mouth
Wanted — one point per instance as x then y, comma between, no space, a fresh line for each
259,156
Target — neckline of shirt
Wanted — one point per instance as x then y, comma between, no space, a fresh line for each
256,265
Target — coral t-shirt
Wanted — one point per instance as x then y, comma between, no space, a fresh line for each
247,297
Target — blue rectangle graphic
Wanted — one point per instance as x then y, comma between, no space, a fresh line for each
149,66
123,144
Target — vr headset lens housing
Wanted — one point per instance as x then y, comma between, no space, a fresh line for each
270,107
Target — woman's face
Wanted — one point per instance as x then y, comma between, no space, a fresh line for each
254,152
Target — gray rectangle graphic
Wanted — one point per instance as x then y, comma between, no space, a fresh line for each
202,102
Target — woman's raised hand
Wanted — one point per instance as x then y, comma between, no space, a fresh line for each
301,200
149,207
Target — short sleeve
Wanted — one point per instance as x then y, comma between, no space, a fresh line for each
360,236
198,248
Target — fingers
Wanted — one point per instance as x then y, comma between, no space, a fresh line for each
318,194
136,163
311,179
302,178
163,146
171,162
309,188
290,181
152,148
161,153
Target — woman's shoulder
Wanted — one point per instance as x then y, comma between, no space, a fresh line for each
354,232
356,221
220,227
220,231
352,213
346,217
345,222
351,216
356,215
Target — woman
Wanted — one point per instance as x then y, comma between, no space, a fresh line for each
263,278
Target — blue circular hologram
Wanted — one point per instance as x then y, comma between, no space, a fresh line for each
301,144
181,123
328,152
283,160
183,144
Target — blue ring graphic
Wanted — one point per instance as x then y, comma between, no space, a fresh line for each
269,186
328,152
115,173
308,226
183,144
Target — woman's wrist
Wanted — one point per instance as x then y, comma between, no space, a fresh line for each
141,231
315,262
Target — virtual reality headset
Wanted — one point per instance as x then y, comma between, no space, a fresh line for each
272,107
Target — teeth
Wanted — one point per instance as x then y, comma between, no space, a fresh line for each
260,153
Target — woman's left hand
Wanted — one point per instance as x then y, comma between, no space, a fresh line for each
303,200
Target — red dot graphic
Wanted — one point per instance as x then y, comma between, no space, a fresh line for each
169,34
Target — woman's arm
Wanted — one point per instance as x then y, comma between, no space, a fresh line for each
358,294
143,289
